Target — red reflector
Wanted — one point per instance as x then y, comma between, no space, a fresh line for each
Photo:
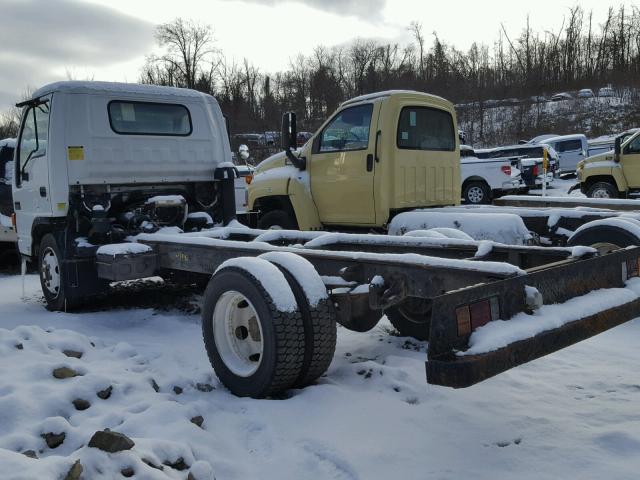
464,320
632,268
506,169
480,313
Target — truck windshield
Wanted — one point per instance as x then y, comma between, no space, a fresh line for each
33,138
424,128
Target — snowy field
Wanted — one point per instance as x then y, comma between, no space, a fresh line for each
143,372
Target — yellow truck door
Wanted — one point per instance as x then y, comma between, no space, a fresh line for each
427,159
631,162
342,166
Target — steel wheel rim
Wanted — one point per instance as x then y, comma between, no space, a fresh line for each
475,194
601,193
238,334
50,271
605,247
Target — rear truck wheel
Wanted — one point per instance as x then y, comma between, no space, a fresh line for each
277,219
253,331
317,310
603,237
476,193
412,318
602,190
52,277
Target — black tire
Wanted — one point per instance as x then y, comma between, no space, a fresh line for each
412,319
602,237
58,299
283,336
602,190
476,193
319,327
277,218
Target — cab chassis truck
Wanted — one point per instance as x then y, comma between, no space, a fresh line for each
117,182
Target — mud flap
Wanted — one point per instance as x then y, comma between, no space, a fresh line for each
453,320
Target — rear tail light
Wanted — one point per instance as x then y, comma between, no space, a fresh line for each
506,169
475,315
535,170
630,269
13,221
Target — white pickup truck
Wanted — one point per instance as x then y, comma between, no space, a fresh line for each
485,179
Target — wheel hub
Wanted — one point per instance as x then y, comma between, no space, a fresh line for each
475,195
238,334
50,271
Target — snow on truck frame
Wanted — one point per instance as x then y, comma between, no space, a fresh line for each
118,182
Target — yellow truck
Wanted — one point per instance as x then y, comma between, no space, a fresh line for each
613,174
376,156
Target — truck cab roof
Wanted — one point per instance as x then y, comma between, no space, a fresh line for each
78,87
399,93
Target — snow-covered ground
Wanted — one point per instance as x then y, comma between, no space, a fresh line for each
573,414
143,372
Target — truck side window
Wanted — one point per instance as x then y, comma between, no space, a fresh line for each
634,146
568,146
348,131
145,118
424,128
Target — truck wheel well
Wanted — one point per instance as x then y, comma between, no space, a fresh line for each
279,202
42,226
600,178
474,178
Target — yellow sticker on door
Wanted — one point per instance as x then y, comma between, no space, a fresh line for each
75,153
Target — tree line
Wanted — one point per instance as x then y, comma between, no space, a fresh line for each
581,53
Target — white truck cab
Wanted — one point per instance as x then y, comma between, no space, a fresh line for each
100,161
571,149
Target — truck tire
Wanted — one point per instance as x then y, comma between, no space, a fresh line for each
318,315
277,219
476,193
258,352
52,277
604,238
602,190
411,320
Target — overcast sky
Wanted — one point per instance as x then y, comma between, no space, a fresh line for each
42,40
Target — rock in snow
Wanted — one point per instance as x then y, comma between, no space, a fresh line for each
111,441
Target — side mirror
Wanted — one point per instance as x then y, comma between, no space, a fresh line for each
289,133
617,149
289,140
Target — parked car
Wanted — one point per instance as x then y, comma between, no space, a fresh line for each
250,139
606,92
529,160
558,97
571,149
607,142
303,137
485,179
586,93
542,138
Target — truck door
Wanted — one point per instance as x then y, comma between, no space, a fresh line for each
631,163
31,182
570,152
342,166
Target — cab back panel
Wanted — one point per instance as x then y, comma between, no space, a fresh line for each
100,155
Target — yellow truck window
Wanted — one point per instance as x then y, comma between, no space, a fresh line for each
348,131
424,128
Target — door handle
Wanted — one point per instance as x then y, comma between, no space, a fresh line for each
43,192
370,162
378,133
